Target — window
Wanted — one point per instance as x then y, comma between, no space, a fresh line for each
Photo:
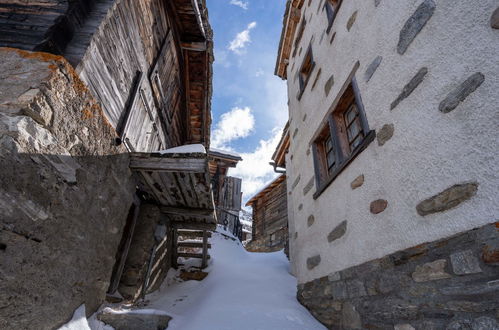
332,7
344,135
305,71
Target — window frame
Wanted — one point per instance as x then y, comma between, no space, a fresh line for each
335,126
331,12
303,82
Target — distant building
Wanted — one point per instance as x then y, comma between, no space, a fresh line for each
393,166
270,208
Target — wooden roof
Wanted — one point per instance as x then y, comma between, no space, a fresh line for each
266,190
180,184
219,159
279,156
290,22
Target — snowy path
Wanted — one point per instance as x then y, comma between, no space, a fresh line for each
243,290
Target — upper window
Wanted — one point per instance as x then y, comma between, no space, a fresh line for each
345,134
332,7
305,71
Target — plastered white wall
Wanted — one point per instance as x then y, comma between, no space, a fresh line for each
429,152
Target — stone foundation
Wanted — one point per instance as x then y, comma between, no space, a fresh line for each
448,284
65,189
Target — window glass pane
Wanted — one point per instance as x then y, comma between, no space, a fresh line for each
330,159
351,114
357,141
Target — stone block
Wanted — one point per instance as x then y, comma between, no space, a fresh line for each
134,320
339,290
310,220
313,262
410,87
431,271
328,85
494,20
357,182
333,277
465,262
415,24
378,206
459,94
356,288
351,20
350,318
385,134
337,232
490,254
447,199
309,185
485,323
404,327
371,69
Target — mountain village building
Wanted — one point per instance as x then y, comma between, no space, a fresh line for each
391,178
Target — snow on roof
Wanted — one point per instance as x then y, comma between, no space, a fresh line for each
185,149
225,152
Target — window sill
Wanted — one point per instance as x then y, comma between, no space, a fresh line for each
323,185
305,83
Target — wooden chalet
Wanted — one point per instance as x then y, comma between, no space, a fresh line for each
226,190
149,65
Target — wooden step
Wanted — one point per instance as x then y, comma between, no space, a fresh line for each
192,233
192,255
192,244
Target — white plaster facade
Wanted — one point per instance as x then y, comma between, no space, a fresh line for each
429,151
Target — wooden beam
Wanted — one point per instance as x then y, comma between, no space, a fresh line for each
192,255
192,234
187,212
194,46
192,245
140,161
206,246
194,225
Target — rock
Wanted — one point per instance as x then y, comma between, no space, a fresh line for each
350,318
494,20
385,134
410,87
333,277
356,288
351,20
459,325
447,199
313,262
415,24
376,3
378,206
134,320
461,92
337,232
403,327
490,254
310,220
357,182
339,290
485,323
464,263
371,69
431,271
329,84
309,185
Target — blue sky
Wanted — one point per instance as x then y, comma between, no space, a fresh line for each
249,105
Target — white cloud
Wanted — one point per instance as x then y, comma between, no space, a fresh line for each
235,124
239,3
242,38
259,73
255,169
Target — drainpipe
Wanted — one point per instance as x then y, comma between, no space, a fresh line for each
275,168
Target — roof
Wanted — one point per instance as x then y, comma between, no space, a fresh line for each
265,190
282,148
290,21
218,153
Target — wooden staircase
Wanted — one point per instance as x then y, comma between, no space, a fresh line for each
184,240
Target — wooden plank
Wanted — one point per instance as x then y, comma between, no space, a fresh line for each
194,46
185,211
174,248
192,245
194,225
167,164
206,246
192,255
192,234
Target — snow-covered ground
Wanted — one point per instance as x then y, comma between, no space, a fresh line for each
243,290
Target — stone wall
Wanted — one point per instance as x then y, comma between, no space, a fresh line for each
448,284
65,190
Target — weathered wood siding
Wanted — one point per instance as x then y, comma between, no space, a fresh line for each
270,216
